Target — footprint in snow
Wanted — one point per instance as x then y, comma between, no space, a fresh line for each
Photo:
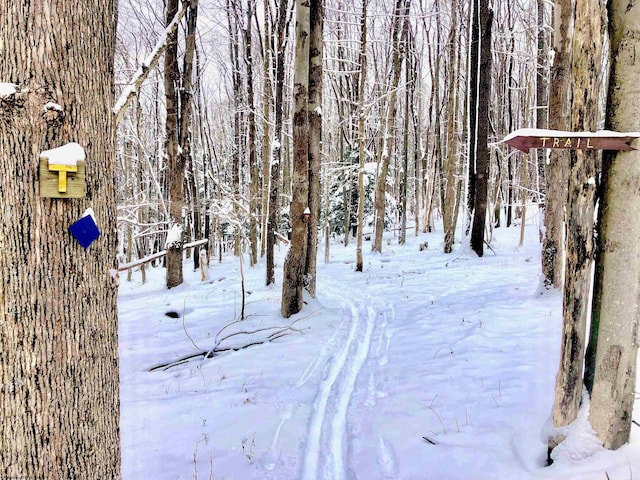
387,459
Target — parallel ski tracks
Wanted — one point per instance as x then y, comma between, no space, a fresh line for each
326,453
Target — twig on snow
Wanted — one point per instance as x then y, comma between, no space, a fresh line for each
278,332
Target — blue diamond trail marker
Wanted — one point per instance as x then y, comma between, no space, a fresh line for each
85,230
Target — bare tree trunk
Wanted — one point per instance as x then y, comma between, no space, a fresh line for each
511,86
59,405
254,177
294,264
175,161
315,138
557,171
418,146
142,214
236,164
276,156
267,98
186,109
128,167
361,133
585,78
616,311
482,143
435,172
542,91
473,96
405,165
451,166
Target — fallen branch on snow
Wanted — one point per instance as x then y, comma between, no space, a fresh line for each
277,332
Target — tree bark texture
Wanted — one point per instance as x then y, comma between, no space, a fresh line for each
451,165
254,183
586,68
294,264
59,405
186,114
616,305
474,70
276,154
435,178
234,57
542,91
557,171
267,96
361,133
175,161
405,160
482,154
315,138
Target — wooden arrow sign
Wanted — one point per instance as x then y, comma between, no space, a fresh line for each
525,139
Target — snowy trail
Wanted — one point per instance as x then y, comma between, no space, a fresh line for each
326,452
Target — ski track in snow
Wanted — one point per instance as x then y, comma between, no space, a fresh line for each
326,451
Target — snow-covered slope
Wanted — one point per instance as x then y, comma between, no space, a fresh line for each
424,366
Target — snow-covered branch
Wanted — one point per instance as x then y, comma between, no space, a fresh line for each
148,64
253,337
126,266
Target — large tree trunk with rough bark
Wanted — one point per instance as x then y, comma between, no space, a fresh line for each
542,92
585,77
59,406
616,310
175,161
482,147
557,169
315,138
474,70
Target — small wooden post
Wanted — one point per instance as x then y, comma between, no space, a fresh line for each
204,260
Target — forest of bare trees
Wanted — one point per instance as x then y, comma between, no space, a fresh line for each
412,152
398,131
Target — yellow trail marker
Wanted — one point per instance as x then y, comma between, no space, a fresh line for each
62,174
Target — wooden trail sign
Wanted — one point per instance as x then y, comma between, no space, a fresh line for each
62,172
525,139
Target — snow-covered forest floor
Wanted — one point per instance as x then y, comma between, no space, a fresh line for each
424,366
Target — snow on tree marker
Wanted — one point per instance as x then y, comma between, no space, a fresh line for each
62,172
527,138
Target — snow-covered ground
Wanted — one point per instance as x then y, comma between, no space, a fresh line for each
424,366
